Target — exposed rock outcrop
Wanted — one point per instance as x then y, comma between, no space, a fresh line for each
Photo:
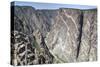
52,36
88,45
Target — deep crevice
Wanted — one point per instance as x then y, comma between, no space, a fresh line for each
80,35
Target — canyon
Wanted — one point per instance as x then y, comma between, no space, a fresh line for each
47,36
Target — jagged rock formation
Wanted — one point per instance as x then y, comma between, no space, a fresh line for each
52,36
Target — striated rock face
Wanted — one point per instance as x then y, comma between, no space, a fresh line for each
63,39
88,45
52,36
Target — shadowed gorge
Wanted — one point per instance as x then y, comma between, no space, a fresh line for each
40,36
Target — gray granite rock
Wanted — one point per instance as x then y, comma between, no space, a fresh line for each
53,36
63,38
88,46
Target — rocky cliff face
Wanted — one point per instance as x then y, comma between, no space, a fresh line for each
88,45
53,36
